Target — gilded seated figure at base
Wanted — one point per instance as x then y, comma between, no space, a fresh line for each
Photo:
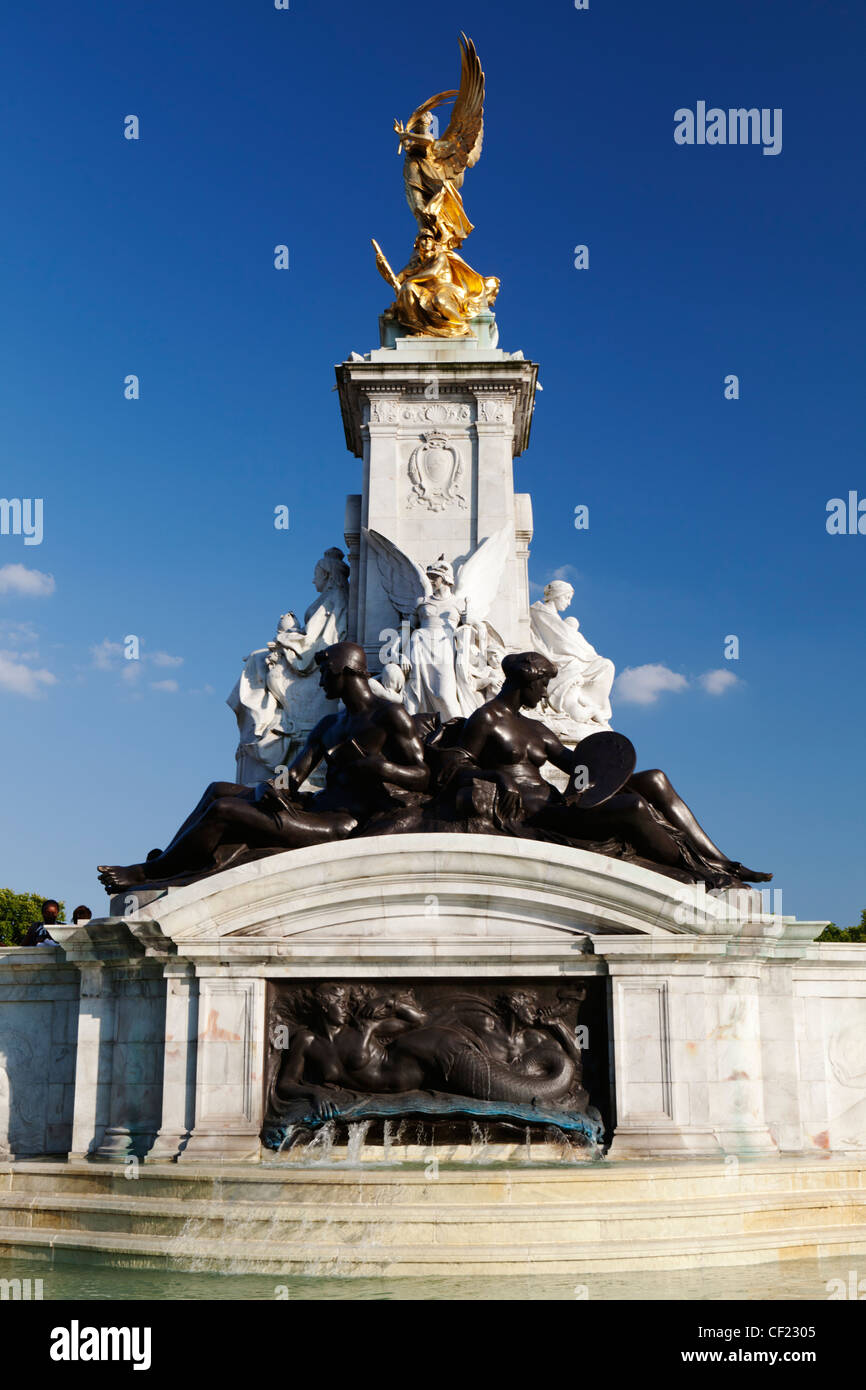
437,292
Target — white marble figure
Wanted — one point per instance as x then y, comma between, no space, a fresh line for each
446,666
578,698
277,699
390,683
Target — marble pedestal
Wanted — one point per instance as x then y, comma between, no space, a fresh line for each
437,425
730,1030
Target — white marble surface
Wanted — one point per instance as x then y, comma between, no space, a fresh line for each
407,411
731,1031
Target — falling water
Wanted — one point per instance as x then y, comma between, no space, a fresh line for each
412,1140
478,1142
355,1142
320,1149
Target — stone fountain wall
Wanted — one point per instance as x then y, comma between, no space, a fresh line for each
730,1030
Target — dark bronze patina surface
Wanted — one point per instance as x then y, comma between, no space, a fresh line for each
498,1053
389,773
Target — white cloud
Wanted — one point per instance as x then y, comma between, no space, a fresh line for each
18,579
20,679
642,685
112,656
16,636
717,682
105,654
567,573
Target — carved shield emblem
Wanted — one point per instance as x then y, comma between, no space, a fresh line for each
435,471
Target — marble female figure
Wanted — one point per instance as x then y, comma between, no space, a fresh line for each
579,693
276,700
447,613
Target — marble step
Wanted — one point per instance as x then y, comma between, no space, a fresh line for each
331,1258
553,1223
596,1183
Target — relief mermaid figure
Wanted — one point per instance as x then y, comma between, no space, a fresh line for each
354,1043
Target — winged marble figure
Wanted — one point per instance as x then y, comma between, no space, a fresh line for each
453,650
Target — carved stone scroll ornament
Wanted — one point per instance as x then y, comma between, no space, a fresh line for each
436,472
491,412
387,412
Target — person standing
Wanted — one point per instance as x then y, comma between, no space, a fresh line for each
38,933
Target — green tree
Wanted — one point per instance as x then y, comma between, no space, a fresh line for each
17,912
834,933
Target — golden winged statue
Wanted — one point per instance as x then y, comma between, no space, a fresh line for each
437,292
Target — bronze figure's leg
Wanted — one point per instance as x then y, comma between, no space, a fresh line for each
229,820
210,795
656,788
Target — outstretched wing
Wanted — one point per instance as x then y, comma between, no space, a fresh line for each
460,146
429,105
404,582
479,577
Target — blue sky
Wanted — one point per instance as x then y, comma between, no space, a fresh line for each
155,257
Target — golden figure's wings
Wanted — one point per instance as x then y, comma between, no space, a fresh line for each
429,105
460,146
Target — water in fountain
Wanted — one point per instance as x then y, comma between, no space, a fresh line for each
355,1143
319,1148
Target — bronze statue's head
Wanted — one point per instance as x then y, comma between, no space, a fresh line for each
334,662
528,672
516,1002
332,1001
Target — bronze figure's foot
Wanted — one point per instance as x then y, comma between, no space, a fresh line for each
118,877
740,871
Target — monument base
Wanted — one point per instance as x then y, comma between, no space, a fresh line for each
483,1220
711,1027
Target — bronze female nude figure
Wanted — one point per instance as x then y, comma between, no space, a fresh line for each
505,748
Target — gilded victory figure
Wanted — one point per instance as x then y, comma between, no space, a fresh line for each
437,293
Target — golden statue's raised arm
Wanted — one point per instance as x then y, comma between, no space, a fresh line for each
438,294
